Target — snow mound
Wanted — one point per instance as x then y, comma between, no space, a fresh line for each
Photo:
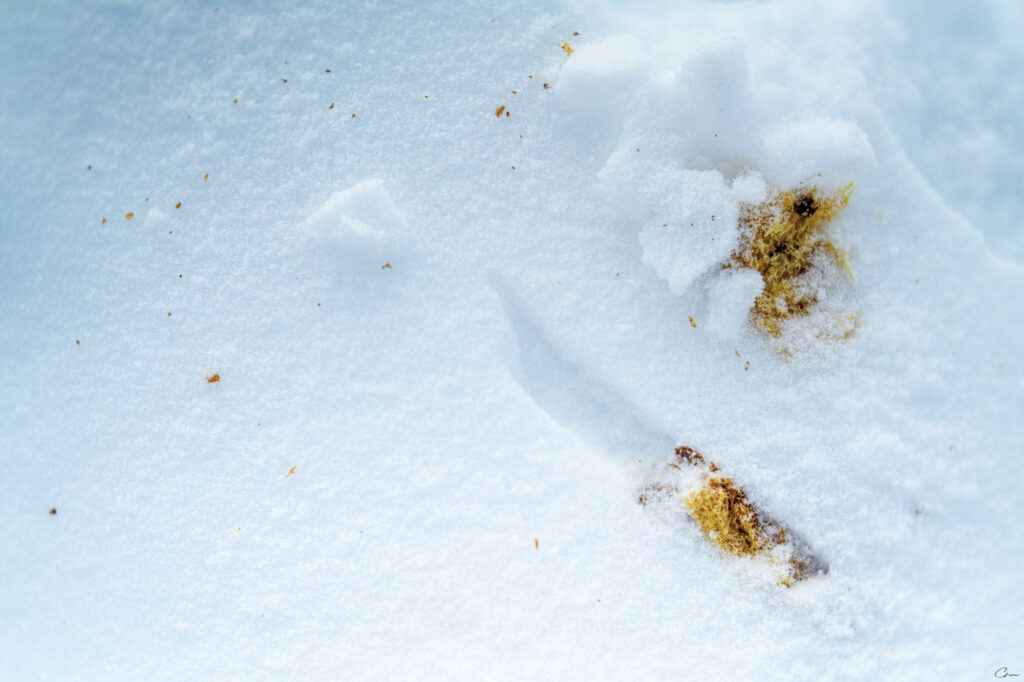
360,228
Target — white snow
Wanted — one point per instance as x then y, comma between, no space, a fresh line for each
453,347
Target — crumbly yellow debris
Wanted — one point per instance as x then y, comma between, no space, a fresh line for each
780,238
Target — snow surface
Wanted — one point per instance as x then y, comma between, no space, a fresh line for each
453,346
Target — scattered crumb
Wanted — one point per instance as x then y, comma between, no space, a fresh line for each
129,215
536,543
426,96
89,167
332,106
529,76
77,342
235,101
575,33
103,222
737,352
284,80
746,367
565,46
353,115
545,86
53,511
692,323
206,176
499,111
290,472
386,266
146,199
170,231
327,70
514,92
179,275
177,205
168,314
213,379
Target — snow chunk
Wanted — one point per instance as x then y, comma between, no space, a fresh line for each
730,296
360,226
363,211
697,231
818,151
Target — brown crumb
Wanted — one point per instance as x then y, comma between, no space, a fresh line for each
332,106
687,455
353,115
575,33
746,367
235,101
290,472
514,92
213,379
206,176
179,275
692,323
545,86
566,47
129,215
386,266
737,350
499,111
53,511
177,205
168,314
146,199
284,80
327,70
103,222
89,167
536,543
506,114
170,231
77,342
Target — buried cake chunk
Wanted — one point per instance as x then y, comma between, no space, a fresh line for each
729,520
